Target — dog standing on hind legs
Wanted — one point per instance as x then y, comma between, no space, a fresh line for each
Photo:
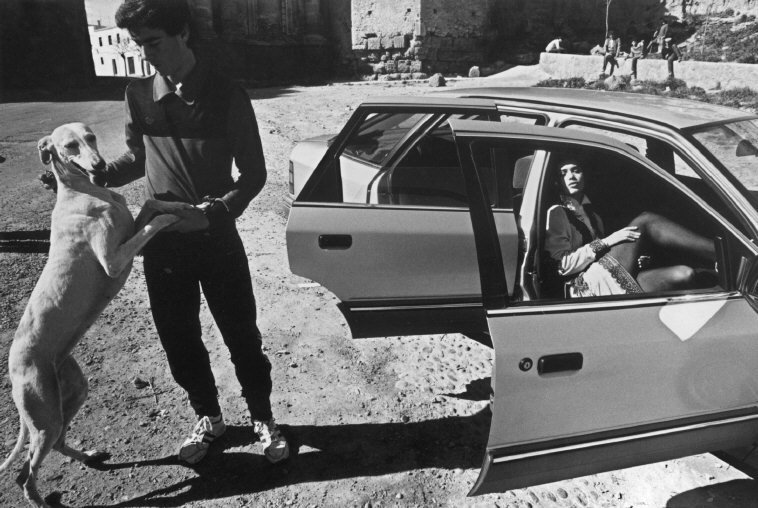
93,241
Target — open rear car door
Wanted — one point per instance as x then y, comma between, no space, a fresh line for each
590,385
398,252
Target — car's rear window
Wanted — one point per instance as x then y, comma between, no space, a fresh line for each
379,135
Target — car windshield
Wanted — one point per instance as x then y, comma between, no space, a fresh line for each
735,145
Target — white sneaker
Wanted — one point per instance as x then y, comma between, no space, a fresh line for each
275,446
195,447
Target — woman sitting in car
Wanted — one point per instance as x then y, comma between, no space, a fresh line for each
593,264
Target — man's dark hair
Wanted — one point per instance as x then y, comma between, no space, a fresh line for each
172,16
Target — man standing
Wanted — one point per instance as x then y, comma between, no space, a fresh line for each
184,126
662,34
611,49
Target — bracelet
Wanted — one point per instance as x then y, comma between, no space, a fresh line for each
210,201
599,247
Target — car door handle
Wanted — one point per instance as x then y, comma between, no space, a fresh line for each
560,363
335,242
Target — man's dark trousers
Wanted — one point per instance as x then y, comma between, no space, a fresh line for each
177,265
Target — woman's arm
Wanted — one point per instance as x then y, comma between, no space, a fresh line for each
564,243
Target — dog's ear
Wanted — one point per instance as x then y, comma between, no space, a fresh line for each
45,147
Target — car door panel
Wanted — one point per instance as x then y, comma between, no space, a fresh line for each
398,259
637,371
590,385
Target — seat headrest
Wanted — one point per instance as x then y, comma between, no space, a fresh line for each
521,170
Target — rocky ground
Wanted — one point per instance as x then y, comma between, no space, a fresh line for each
376,422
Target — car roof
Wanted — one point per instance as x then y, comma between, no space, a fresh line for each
678,113
478,127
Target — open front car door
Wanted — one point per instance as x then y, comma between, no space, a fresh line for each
585,385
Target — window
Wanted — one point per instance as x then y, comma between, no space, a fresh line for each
130,64
409,158
379,134
621,190
100,40
115,67
110,41
118,38
102,61
666,157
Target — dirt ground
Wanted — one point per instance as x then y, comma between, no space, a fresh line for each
397,421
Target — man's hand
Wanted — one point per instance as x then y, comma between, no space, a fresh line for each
191,217
48,181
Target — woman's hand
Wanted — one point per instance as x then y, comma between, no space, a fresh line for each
623,235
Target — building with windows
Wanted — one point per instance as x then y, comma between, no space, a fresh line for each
115,54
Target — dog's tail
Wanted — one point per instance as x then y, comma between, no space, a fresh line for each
23,436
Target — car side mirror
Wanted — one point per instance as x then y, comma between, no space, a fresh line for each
745,148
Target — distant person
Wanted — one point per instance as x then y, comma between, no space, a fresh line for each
671,53
636,52
555,46
663,31
611,49
659,38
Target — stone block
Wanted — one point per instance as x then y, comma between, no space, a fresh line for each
389,66
419,75
437,80
404,65
474,72
374,43
398,42
417,66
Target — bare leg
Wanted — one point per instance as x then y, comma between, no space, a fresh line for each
662,232
666,278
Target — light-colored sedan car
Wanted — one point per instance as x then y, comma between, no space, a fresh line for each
428,216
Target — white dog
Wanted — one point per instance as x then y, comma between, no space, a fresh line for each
92,246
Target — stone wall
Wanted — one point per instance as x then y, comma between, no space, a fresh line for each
707,75
44,43
266,39
455,33
383,24
714,6
450,36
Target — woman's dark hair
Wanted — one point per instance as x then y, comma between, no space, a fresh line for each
172,16
555,178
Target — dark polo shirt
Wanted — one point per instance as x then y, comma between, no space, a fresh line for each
183,140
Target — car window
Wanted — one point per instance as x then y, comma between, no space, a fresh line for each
427,171
522,118
621,191
660,152
666,157
429,174
734,146
379,134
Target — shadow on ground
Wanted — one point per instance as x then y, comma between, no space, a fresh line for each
732,494
25,241
321,453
